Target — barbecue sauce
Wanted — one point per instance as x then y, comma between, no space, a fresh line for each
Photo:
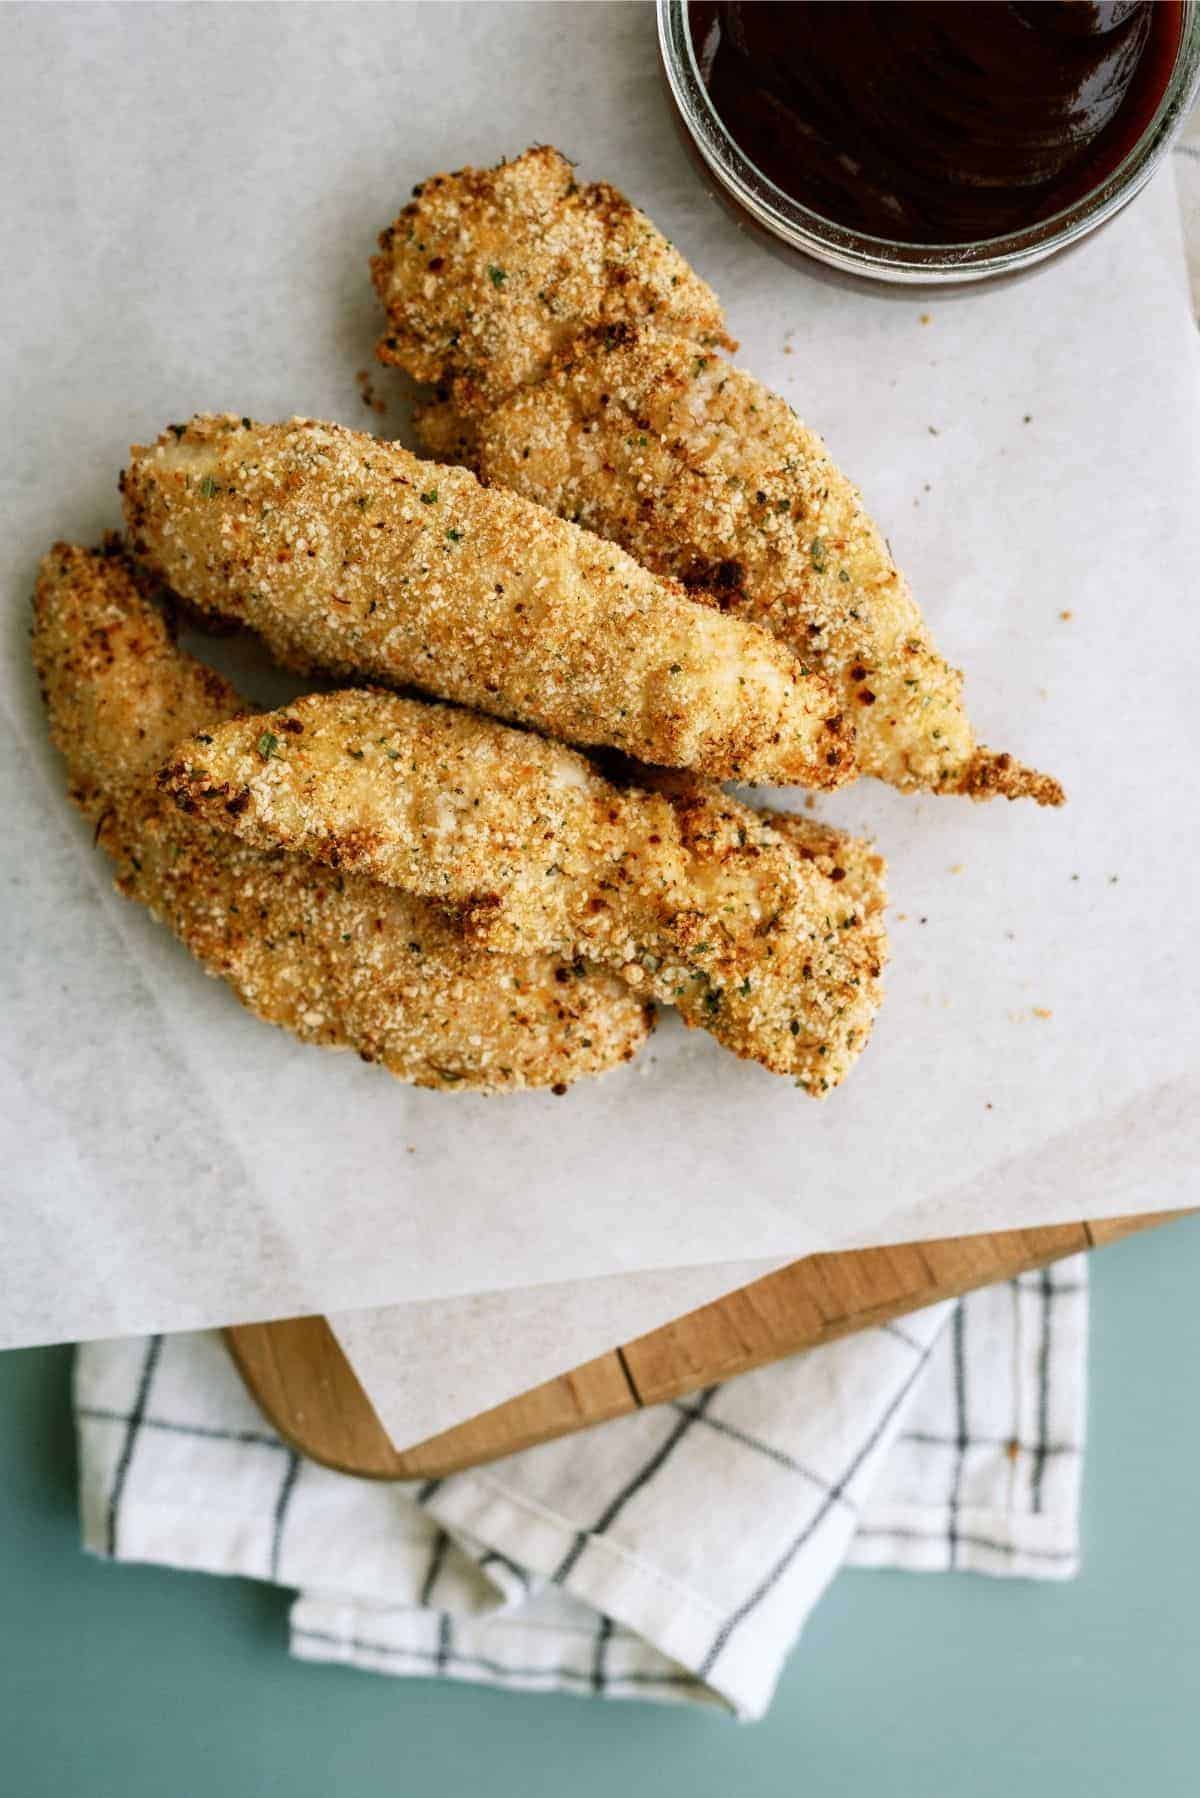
935,123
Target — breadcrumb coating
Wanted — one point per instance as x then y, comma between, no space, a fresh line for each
338,960
691,896
844,979
487,271
703,473
626,420
355,556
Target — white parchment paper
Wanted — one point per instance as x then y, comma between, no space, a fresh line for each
191,194
428,1365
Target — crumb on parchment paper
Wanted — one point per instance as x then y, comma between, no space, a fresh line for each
367,393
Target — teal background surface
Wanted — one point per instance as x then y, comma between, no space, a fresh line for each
134,1682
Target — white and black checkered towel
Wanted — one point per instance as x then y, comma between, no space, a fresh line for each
675,1553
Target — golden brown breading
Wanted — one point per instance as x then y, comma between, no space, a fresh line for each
470,812
340,961
487,271
690,895
354,555
843,981
635,428
703,473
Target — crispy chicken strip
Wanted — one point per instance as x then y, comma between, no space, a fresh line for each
690,895
637,429
338,960
353,555
487,271
703,473
847,886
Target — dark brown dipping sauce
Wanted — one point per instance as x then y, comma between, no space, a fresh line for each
935,124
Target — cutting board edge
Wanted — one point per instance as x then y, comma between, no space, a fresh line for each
299,1377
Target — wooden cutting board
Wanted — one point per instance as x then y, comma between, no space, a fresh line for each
308,1391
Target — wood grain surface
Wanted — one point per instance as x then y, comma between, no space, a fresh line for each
308,1391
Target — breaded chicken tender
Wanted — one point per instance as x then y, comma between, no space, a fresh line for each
702,473
629,423
691,896
487,271
338,960
353,555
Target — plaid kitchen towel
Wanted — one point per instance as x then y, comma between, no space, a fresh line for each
674,1554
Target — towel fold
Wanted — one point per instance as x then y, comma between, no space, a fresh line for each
671,1554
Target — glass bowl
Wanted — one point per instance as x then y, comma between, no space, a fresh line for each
880,259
